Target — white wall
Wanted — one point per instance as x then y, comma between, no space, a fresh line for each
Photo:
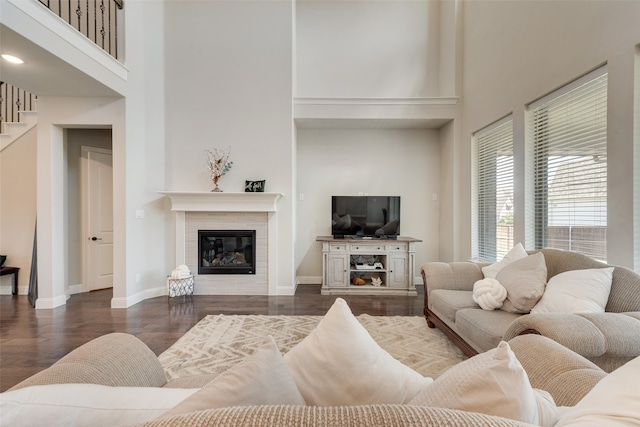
387,162
516,52
18,208
139,164
355,49
389,49
228,82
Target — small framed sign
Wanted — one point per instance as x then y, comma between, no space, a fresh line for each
254,186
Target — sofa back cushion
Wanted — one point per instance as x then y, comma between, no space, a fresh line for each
625,287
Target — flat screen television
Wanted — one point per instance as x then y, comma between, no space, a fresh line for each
365,217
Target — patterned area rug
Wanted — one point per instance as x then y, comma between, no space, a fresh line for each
218,342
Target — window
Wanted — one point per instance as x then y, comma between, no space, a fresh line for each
568,133
493,191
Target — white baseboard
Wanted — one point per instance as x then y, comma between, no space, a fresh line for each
75,289
309,280
140,296
47,303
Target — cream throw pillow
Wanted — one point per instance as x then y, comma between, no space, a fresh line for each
516,253
260,379
492,383
339,364
613,402
576,291
489,294
524,280
89,405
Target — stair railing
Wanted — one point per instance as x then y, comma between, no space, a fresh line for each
96,19
13,100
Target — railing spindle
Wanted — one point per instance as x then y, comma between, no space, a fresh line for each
111,29
13,100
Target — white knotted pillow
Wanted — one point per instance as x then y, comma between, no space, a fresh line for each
489,294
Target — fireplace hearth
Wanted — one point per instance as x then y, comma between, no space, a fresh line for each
226,251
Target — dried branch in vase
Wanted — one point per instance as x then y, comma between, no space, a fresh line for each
219,164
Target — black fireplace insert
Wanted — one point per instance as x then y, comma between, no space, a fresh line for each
226,251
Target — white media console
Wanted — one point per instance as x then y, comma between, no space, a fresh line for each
368,266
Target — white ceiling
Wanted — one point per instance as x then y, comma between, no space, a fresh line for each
44,74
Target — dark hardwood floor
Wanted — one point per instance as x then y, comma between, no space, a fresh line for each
32,340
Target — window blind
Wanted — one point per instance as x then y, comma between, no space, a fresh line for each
493,191
568,130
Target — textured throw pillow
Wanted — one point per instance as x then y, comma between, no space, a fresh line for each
90,405
260,379
576,291
339,364
492,383
517,252
524,280
613,402
489,294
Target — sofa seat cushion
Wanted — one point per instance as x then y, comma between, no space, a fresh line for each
86,405
446,303
483,328
634,314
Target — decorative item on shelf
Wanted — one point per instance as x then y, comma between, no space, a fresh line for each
3,258
358,281
219,164
376,281
254,186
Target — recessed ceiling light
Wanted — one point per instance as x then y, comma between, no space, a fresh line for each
13,59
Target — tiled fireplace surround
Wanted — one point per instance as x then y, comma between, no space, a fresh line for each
227,211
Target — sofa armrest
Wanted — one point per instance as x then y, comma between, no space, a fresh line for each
571,330
458,276
566,375
115,359
620,331
591,335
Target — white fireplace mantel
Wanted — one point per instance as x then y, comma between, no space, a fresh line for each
203,201
183,202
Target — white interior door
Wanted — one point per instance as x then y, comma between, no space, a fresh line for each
98,218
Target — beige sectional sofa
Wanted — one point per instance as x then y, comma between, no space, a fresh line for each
608,339
121,360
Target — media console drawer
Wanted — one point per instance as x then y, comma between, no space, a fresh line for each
398,247
368,248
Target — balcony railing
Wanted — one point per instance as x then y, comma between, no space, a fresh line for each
12,101
96,19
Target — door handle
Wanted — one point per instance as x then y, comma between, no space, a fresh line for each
94,238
